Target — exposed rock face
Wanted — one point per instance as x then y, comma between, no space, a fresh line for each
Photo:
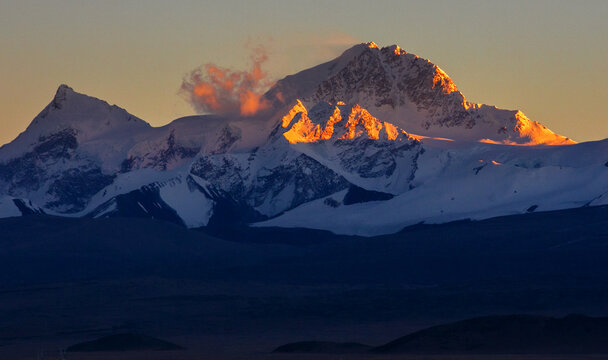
161,156
54,166
391,77
287,181
28,171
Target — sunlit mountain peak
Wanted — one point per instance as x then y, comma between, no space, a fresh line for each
412,93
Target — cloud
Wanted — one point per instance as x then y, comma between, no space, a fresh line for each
220,90
214,89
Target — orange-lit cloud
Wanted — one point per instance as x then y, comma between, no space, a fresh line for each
214,89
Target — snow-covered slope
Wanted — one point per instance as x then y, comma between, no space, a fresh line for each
370,142
10,207
470,182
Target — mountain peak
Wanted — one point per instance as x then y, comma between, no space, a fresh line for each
410,92
63,88
72,108
374,77
395,49
84,117
61,95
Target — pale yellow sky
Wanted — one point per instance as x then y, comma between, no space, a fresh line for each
546,58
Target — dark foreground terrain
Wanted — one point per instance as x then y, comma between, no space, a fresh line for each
502,334
508,334
65,281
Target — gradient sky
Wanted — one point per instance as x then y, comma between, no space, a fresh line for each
546,58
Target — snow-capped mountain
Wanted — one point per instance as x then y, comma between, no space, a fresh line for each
69,151
368,143
412,93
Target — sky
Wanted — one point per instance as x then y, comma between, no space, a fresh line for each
546,58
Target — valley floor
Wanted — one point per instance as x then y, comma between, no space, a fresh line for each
64,281
215,320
